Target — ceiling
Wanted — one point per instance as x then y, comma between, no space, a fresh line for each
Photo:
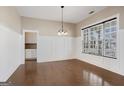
72,14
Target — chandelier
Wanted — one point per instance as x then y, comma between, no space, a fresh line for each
62,31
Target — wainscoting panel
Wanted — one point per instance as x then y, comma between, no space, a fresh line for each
9,52
53,48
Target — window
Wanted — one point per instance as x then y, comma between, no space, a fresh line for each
100,39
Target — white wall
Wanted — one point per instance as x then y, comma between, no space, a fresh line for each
10,41
114,65
52,48
9,52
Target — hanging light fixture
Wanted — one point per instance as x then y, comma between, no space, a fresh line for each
62,31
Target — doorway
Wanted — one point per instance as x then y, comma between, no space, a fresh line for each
30,43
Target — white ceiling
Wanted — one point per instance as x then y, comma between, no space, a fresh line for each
72,14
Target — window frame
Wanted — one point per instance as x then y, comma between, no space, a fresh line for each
97,24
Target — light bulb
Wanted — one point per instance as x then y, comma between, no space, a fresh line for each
59,33
62,33
66,33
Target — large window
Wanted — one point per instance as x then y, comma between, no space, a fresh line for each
100,39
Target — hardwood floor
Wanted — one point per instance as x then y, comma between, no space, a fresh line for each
69,72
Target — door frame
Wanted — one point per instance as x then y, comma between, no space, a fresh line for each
23,37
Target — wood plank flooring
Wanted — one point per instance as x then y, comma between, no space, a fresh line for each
64,73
